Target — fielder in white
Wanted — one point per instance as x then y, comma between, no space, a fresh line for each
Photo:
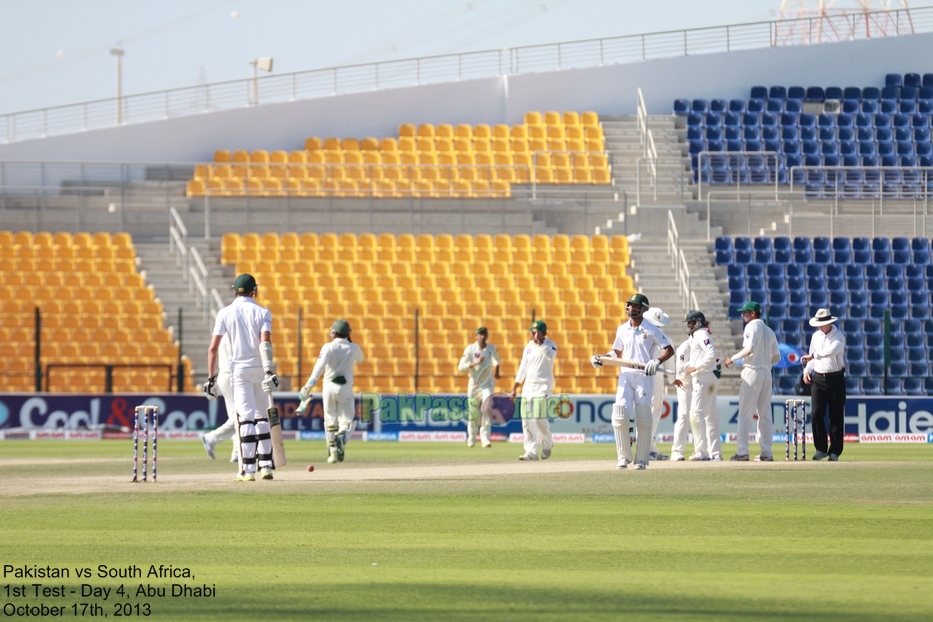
536,377
336,364
252,374
481,359
635,341
660,319
228,429
759,352
704,369
684,384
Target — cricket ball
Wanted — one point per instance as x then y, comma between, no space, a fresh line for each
310,468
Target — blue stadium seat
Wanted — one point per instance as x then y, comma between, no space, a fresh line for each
871,327
871,386
718,105
928,386
818,298
874,340
913,386
854,355
681,107
815,94
755,270
723,243
858,297
855,284
852,385
776,284
874,354
874,272
737,106
892,271
787,385
777,297
757,283
859,311
795,284
814,270
893,386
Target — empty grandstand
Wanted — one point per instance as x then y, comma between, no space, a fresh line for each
421,211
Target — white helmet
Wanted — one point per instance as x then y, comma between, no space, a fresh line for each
657,317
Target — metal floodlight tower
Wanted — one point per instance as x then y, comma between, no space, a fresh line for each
264,63
118,52
824,21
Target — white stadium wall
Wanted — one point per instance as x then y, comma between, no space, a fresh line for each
607,90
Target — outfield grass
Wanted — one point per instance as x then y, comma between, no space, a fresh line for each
851,541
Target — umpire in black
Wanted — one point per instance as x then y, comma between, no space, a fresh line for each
825,374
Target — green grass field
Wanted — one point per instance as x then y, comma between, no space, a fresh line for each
847,541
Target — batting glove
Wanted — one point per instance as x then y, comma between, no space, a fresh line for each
271,383
209,388
595,362
304,393
651,367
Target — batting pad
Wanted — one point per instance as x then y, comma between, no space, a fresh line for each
620,431
643,422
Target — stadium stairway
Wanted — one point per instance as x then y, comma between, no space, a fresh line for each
650,257
161,270
624,146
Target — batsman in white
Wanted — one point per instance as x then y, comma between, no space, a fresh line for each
222,385
635,341
660,319
705,371
685,418
252,373
336,364
759,352
536,377
481,359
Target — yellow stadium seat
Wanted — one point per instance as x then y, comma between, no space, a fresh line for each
425,130
350,144
533,118
589,118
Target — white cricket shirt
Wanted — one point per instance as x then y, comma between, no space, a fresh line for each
537,364
703,352
759,346
682,357
480,375
337,358
243,320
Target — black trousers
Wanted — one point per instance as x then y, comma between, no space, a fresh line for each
828,392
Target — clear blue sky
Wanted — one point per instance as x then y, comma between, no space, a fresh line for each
58,51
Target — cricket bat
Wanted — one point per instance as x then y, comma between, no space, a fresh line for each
275,430
615,362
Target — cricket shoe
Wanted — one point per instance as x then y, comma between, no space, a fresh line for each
245,477
234,458
677,457
716,459
527,457
487,445
265,473
471,442
332,459
819,455
545,453
764,458
657,455
640,466
208,446
698,458
739,458
622,464
341,443
833,458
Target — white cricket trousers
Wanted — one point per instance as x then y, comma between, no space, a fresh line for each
228,429
536,427
685,424
251,404
657,409
755,398
703,408
477,419
339,408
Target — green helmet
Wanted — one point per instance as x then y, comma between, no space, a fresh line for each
244,284
637,299
341,327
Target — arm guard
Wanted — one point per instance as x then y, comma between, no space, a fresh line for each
265,353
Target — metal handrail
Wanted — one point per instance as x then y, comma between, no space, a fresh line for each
180,248
157,105
196,282
216,302
772,156
641,112
678,160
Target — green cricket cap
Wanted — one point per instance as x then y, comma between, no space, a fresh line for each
482,331
244,284
539,326
751,305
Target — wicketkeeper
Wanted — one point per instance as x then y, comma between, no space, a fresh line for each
481,359
635,341
336,363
